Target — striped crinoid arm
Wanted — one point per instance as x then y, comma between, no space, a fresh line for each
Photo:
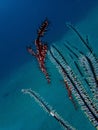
94,63
73,53
48,109
66,80
77,88
90,76
71,73
85,42
91,54
86,63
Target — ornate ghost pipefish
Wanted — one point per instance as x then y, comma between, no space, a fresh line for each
41,49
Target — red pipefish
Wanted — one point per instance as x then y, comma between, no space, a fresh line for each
41,50
43,28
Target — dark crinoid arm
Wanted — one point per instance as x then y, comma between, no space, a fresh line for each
85,42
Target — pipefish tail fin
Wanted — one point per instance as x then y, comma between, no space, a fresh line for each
48,109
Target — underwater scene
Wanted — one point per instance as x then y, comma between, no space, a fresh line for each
49,65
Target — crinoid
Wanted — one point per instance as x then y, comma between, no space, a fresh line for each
86,65
48,109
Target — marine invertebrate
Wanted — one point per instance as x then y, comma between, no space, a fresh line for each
68,86
77,89
41,49
92,58
81,85
87,62
48,109
88,74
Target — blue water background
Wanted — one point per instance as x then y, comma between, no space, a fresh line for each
19,21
